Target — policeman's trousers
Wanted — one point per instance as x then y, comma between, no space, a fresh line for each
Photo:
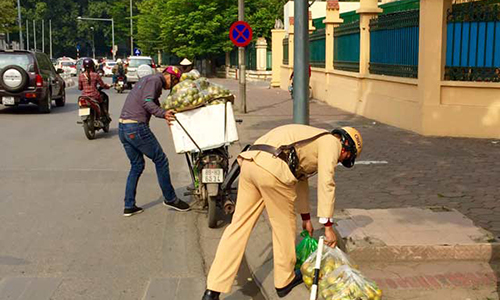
258,189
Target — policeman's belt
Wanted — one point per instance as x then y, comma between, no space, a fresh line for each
287,153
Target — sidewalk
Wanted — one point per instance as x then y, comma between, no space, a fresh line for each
460,174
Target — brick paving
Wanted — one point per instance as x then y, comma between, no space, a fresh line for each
460,173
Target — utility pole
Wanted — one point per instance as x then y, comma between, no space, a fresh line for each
34,35
131,32
43,36
21,44
301,63
50,38
113,38
242,67
27,36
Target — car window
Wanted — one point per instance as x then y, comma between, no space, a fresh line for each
137,62
22,60
43,63
67,64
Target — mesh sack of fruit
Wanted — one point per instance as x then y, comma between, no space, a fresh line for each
331,259
192,75
184,96
346,283
190,94
307,246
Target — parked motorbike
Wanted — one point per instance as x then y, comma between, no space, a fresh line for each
92,116
213,179
120,84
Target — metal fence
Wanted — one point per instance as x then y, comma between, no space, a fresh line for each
317,44
250,57
285,51
473,42
346,47
394,45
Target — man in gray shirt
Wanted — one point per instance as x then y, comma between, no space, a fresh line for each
138,140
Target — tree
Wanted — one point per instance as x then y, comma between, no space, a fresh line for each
8,15
148,25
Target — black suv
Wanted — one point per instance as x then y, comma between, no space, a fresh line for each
29,77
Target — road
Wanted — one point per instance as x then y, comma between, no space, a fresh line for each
62,233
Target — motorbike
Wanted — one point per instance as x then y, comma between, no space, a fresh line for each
92,116
120,84
213,177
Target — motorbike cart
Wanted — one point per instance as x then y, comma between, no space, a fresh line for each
203,138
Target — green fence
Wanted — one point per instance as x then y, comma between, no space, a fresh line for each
317,44
285,51
250,57
346,47
394,44
269,60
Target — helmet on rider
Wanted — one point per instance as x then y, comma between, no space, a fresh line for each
352,142
119,61
88,64
175,73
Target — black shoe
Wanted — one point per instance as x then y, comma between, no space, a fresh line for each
210,295
287,289
128,212
178,205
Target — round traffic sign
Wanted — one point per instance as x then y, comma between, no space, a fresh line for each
240,33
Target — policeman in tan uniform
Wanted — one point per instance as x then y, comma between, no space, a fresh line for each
275,178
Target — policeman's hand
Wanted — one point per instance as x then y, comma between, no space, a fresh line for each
307,225
170,117
330,237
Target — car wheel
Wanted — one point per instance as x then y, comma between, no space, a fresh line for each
14,78
61,101
45,106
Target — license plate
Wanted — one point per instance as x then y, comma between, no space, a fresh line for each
120,83
84,111
212,176
8,101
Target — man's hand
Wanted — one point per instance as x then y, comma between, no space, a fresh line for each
330,237
170,117
307,225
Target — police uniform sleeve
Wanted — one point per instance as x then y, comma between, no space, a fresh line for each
302,202
328,154
150,97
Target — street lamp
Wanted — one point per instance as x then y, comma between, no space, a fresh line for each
80,18
93,43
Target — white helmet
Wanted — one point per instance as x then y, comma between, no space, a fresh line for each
119,61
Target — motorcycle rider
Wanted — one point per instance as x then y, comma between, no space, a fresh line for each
138,140
278,182
119,70
88,82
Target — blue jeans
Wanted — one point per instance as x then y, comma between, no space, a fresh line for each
138,140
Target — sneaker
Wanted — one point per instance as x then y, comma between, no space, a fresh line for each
128,212
282,292
178,205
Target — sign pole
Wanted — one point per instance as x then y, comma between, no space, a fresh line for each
241,63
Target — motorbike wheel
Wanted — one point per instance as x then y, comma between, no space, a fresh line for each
212,212
88,127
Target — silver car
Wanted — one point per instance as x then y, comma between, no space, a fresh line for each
133,63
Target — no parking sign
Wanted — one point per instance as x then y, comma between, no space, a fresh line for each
240,33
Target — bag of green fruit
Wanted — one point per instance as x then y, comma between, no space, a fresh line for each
347,283
307,246
184,96
331,259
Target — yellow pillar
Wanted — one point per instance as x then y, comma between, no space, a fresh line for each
311,26
331,21
432,56
367,10
277,49
290,42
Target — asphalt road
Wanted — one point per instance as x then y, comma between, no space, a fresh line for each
62,233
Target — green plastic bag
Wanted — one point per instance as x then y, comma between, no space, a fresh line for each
304,249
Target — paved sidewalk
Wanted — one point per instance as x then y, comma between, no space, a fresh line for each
459,173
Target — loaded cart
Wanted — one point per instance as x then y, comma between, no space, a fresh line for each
204,135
